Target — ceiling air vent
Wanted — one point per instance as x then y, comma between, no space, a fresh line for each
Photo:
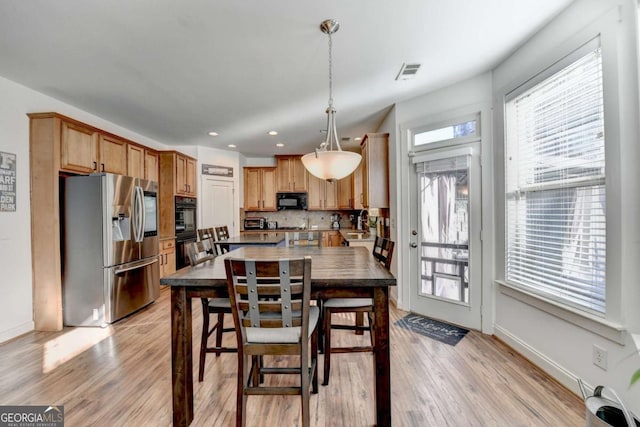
408,71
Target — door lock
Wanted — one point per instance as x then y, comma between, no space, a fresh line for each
414,232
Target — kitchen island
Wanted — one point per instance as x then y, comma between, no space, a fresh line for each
255,238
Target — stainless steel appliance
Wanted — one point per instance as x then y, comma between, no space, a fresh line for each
335,221
272,225
255,223
110,240
291,200
185,215
186,227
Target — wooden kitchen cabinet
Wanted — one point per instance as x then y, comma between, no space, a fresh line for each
375,170
331,238
260,189
167,257
142,163
292,175
323,195
185,175
345,193
135,161
151,165
178,171
84,150
358,191
113,155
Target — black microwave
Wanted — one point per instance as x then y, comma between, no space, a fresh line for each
291,200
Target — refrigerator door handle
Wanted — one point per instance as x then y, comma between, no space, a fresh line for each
135,266
143,213
138,214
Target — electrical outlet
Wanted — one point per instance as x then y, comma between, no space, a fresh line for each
600,357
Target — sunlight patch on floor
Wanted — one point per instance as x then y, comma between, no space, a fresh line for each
68,345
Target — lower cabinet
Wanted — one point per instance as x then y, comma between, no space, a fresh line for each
167,257
331,238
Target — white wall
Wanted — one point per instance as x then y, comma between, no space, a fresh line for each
15,227
555,340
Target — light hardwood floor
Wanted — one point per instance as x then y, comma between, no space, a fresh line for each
121,376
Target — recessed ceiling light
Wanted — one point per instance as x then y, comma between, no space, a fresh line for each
279,144
357,139
231,145
272,132
212,133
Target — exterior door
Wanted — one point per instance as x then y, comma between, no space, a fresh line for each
445,235
218,204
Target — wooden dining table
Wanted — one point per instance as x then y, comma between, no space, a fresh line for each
346,272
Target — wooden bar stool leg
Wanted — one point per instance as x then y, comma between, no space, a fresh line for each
327,346
219,331
205,336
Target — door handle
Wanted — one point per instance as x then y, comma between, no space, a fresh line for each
135,266
414,245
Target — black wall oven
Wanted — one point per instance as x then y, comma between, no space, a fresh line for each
186,227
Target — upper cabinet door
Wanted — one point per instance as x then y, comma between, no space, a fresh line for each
299,175
190,178
78,151
151,165
181,175
345,192
252,190
269,189
113,155
291,174
135,161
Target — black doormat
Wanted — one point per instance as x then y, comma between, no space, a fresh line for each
435,329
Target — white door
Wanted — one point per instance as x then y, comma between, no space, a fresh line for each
217,207
445,235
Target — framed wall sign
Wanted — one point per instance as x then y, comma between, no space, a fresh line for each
217,170
7,182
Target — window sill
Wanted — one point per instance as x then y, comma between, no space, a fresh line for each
607,329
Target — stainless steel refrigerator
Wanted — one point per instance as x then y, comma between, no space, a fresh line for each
110,241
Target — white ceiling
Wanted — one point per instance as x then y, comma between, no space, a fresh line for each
174,70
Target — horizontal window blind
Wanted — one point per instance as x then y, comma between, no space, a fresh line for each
555,184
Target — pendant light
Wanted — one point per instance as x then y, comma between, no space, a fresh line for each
325,162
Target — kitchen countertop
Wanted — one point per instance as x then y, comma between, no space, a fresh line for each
357,235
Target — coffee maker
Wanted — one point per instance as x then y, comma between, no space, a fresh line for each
335,221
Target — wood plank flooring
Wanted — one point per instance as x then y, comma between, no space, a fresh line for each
121,376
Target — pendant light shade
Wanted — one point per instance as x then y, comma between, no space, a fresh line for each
331,165
325,162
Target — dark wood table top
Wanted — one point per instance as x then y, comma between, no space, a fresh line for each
330,266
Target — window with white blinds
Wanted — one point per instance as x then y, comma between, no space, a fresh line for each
555,186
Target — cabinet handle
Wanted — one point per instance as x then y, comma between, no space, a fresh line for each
95,166
102,166
166,258
161,259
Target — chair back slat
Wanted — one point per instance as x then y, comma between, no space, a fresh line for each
383,251
222,233
270,305
197,253
207,237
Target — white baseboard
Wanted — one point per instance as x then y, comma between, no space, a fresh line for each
16,331
559,373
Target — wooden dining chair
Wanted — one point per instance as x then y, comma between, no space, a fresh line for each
208,238
382,251
303,238
210,306
273,316
222,234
